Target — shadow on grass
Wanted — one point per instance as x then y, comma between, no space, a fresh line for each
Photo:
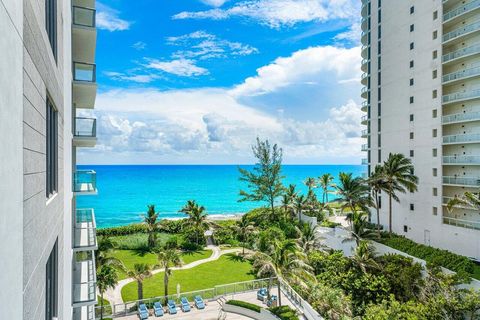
141,251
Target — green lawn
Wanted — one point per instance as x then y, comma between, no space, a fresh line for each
130,257
107,309
227,269
476,272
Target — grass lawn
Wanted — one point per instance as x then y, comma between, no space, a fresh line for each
130,257
476,272
227,269
107,309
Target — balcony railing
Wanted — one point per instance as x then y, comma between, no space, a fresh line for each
461,53
365,133
85,181
462,223
365,162
84,17
460,96
364,105
461,31
85,233
475,160
84,72
462,138
462,74
455,12
461,117
84,282
365,119
365,147
446,200
85,127
462,181
86,313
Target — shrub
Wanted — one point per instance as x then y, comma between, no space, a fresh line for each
245,305
284,313
122,230
329,224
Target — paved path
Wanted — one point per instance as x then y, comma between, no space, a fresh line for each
114,296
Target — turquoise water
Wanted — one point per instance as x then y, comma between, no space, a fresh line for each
125,191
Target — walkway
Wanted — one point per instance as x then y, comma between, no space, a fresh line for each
114,296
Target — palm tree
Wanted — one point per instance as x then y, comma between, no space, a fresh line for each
308,239
244,229
469,199
360,228
399,177
166,259
353,193
288,199
299,204
107,278
196,220
140,272
311,183
376,181
326,182
150,220
103,254
364,257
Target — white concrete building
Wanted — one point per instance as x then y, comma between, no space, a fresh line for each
421,64
47,268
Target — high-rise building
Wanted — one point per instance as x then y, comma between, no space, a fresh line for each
421,64
47,74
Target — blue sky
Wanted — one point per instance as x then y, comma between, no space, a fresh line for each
196,81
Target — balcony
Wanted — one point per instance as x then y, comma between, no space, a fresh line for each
461,54
461,117
364,36
461,96
462,223
365,162
461,181
365,106
84,313
365,92
462,138
365,51
461,160
85,230
84,85
365,147
365,133
84,280
461,32
364,65
85,132
85,182
365,120
364,10
364,25
461,75
84,34
446,200
459,11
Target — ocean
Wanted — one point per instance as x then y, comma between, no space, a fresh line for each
124,191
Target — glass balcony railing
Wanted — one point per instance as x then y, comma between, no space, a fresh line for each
460,96
462,138
85,233
365,147
84,280
461,31
457,11
85,313
461,117
463,74
475,49
462,181
364,162
462,223
463,159
446,200
364,119
84,72
84,17
364,105
365,133
85,127
85,181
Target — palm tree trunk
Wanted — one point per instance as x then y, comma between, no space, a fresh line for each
140,289
279,294
390,212
378,214
272,206
243,249
165,285
101,305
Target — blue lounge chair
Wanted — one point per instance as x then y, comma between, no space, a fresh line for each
142,311
262,294
172,309
185,304
272,302
157,309
199,302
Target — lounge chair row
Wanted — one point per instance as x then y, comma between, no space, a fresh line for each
171,307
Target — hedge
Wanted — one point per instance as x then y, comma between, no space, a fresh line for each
245,305
167,226
284,313
432,255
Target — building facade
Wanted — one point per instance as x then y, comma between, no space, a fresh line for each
421,64
46,243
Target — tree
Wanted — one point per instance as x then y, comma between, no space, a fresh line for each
399,177
103,254
150,220
166,259
353,193
364,257
140,272
288,200
265,180
299,204
359,227
326,182
308,239
107,278
244,229
196,220
377,184
330,302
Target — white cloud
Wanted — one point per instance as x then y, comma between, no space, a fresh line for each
139,78
352,35
214,3
108,19
281,12
180,67
139,45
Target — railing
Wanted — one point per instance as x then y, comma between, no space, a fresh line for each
300,304
461,53
365,147
85,181
85,291
84,313
461,138
458,96
461,159
461,74
84,72
462,181
364,76
460,117
472,5
365,162
462,223
365,61
461,31
84,17
85,127
446,200
85,228
365,118
365,133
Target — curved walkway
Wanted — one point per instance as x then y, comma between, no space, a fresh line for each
114,296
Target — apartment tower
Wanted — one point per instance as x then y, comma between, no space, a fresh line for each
47,74
421,64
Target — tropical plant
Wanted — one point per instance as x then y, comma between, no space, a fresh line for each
311,183
468,199
360,227
107,278
196,222
399,177
265,180
166,259
364,257
244,229
150,220
103,255
140,272
299,205
326,182
308,238
377,183
332,303
288,200
353,193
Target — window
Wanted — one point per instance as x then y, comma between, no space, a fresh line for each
379,32
379,79
434,54
379,16
412,9
434,94
435,192
412,117
412,46
412,207
51,24
434,172
405,228
434,74
379,156
434,113
435,34
412,82
434,153
380,202
52,149
379,3
379,94
435,15
411,64
435,211
379,63
379,47
412,99
379,111
379,123
51,284
412,153
434,133
412,27
411,135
